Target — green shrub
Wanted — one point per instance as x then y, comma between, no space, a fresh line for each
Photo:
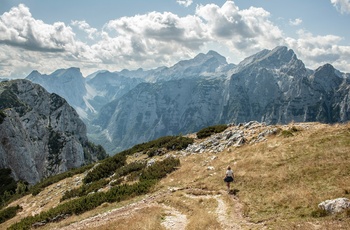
8,213
2,116
129,168
167,142
7,186
7,183
160,169
106,168
319,213
36,191
92,149
206,132
116,182
287,133
85,189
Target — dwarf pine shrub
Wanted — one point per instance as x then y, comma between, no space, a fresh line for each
8,213
206,132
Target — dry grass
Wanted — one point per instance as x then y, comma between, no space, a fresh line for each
286,178
146,218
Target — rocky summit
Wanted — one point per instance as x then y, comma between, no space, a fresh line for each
40,133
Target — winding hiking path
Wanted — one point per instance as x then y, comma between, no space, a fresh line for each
228,217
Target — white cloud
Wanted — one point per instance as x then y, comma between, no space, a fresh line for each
242,30
84,26
342,5
185,3
152,40
295,22
19,28
318,50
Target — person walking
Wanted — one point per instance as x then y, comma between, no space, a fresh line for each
228,178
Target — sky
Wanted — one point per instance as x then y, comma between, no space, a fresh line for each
114,35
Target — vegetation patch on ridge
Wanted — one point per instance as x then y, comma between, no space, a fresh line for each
208,131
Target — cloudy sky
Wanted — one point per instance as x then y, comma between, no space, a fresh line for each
114,35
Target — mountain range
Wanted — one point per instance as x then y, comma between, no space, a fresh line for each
125,108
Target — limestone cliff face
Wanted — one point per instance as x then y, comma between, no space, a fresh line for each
40,133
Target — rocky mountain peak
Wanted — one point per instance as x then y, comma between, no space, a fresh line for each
280,58
34,74
326,78
326,69
71,72
211,56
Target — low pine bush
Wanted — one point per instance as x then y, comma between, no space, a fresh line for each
8,213
85,189
206,132
106,168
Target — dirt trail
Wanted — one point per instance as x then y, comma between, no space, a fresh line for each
174,219
229,217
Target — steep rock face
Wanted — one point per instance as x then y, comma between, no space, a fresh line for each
40,134
160,109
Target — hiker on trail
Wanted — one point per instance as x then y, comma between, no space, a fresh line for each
228,178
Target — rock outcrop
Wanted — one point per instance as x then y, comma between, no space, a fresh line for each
40,133
335,206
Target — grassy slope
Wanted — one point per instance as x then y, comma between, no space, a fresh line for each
280,182
285,179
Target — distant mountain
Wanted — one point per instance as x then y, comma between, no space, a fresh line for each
69,84
40,133
272,86
106,86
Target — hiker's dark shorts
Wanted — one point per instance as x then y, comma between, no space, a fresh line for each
228,179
